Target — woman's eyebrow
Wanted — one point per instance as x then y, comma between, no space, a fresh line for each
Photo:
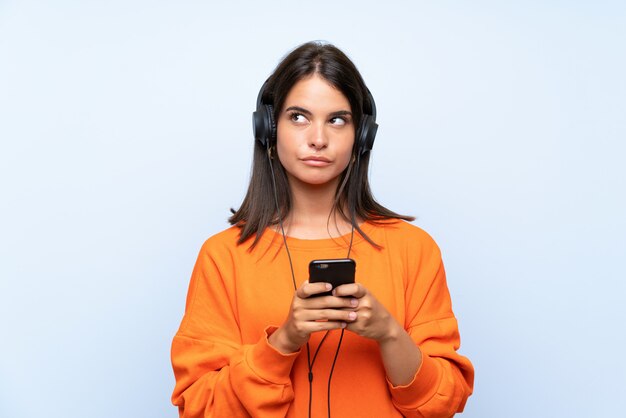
341,113
308,112
299,109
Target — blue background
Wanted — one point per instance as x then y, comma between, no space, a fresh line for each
125,137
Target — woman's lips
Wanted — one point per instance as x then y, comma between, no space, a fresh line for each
316,161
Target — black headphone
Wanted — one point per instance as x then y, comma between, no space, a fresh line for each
264,125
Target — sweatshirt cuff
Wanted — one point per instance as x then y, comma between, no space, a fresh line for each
423,386
269,363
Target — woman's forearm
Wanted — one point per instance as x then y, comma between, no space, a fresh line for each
402,358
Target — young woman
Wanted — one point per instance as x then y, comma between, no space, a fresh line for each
255,340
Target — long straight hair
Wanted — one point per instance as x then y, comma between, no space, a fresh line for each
353,198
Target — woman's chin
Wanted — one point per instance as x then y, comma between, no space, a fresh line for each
316,182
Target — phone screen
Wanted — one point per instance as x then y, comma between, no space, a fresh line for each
336,271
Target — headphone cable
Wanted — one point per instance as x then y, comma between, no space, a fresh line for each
332,368
293,278
280,218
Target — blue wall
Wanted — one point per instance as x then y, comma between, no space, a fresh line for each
125,138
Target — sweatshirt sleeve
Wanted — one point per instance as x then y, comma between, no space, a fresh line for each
445,379
216,375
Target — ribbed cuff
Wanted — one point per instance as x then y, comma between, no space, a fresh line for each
421,388
269,363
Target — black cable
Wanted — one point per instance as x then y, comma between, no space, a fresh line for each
280,220
333,368
293,278
351,239
311,364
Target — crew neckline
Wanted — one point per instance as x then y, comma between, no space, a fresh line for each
274,238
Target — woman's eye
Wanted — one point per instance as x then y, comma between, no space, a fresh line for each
297,117
338,121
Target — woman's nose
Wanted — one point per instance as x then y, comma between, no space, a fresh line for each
318,138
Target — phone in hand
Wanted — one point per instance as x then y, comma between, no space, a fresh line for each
336,271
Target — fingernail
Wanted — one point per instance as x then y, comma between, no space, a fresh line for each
343,325
328,286
354,302
352,315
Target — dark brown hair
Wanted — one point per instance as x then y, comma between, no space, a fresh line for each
353,199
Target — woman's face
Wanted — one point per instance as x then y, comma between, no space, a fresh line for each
315,133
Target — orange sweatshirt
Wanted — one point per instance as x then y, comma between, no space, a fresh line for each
225,367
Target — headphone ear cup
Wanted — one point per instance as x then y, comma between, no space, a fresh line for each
258,127
367,134
271,123
263,125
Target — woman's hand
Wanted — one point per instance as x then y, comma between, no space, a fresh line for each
373,320
311,314
401,356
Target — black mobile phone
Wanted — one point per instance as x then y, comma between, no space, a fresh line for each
336,271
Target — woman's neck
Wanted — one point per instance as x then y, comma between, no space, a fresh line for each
312,215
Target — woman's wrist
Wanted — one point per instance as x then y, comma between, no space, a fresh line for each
280,342
393,332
